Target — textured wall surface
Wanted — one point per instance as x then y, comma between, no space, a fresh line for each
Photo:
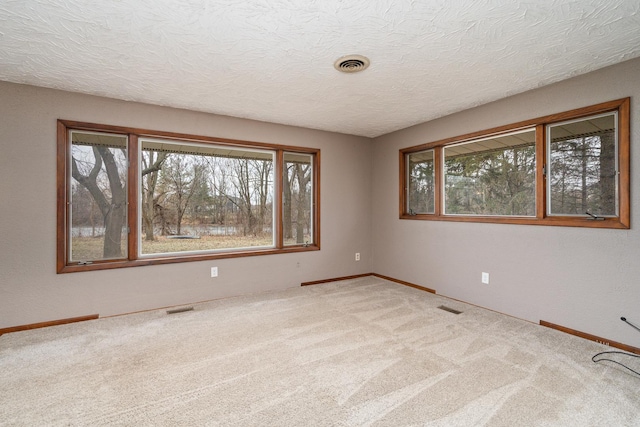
30,289
584,279
273,60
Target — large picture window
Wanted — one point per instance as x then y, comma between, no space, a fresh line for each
198,197
568,169
128,197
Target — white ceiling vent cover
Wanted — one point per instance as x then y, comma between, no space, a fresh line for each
352,63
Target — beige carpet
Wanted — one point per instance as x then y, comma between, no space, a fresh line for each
351,353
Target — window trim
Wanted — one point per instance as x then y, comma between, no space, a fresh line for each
63,264
622,221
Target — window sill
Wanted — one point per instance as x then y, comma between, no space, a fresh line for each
562,221
108,265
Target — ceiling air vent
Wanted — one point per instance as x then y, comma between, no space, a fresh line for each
351,63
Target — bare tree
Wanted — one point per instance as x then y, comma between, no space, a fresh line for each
262,170
218,182
181,174
296,200
287,222
152,162
303,177
113,209
242,184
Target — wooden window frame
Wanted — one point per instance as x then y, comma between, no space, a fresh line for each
64,265
622,221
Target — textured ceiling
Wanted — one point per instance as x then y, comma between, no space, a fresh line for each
272,60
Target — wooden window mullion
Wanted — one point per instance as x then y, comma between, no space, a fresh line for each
541,179
133,197
278,198
438,167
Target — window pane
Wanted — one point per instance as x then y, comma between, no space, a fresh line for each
297,200
491,176
421,181
98,218
197,197
582,173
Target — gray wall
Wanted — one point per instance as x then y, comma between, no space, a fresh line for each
30,289
584,279
580,278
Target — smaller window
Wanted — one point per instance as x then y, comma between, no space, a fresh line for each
297,201
98,197
583,169
421,178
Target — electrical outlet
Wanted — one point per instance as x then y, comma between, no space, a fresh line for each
214,271
485,278
357,256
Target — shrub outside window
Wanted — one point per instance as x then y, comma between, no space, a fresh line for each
566,169
129,197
